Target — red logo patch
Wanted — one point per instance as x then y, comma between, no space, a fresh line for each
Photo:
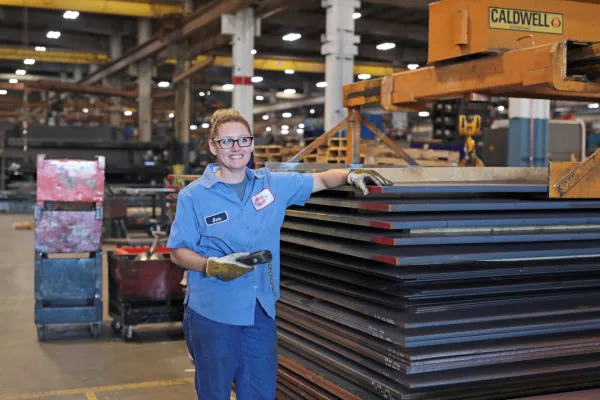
262,199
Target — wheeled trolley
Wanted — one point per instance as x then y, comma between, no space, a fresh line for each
68,248
143,291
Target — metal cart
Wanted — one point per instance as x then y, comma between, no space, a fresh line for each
143,291
68,222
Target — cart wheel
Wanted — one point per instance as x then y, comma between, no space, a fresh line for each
95,330
116,326
128,333
42,331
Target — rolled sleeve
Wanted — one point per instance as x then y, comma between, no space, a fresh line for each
294,187
185,232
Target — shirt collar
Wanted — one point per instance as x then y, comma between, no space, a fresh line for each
209,178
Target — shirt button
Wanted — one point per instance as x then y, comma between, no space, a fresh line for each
255,287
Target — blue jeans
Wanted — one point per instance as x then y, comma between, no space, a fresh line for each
225,353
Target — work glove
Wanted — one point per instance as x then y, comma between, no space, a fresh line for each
227,268
361,178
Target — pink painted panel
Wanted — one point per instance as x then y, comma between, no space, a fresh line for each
68,232
70,180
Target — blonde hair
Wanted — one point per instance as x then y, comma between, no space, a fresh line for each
224,116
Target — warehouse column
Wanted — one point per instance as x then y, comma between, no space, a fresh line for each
144,85
77,73
183,100
116,51
339,46
528,132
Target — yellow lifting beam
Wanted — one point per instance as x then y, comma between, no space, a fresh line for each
131,8
56,56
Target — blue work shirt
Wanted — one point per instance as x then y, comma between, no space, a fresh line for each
212,221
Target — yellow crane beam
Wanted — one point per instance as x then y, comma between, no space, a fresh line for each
129,8
55,56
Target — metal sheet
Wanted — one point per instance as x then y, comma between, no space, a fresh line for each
427,188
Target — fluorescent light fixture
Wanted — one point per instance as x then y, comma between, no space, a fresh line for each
3,92
260,98
85,111
29,61
71,15
208,92
385,46
364,76
163,84
593,105
289,91
356,15
193,127
13,80
285,127
268,129
40,48
312,110
265,117
321,84
290,37
206,125
228,86
300,131
424,114
289,71
171,115
284,131
202,94
256,79
20,72
286,115
412,67
253,51
128,113
301,126
53,34
501,108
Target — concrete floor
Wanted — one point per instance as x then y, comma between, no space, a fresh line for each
71,365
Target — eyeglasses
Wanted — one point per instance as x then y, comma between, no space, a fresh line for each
245,141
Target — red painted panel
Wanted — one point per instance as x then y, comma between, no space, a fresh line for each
68,232
375,189
70,180
381,225
385,259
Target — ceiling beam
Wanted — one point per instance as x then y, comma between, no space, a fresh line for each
413,4
289,105
53,56
199,19
206,46
74,41
140,9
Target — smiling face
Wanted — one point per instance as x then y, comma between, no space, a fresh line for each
235,158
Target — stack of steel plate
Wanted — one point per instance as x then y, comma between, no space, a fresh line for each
432,291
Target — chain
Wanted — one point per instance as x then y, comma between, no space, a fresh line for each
271,278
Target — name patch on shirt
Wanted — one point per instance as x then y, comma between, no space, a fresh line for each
216,219
262,199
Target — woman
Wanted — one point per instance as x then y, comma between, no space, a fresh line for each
232,211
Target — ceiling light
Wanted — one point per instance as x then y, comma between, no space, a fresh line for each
256,79
321,84
171,115
301,126
290,37
193,127
206,125
253,51
268,129
501,108
424,114
128,113
71,15
364,76
3,92
300,131
413,66
13,80
289,71
20,72
260,98
285,127
265,117
593,105
40,48
53,34
286,115
228,86
202,94
312,110
163,84
289,91
85,111
284,131
29,61
385,46
356,15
